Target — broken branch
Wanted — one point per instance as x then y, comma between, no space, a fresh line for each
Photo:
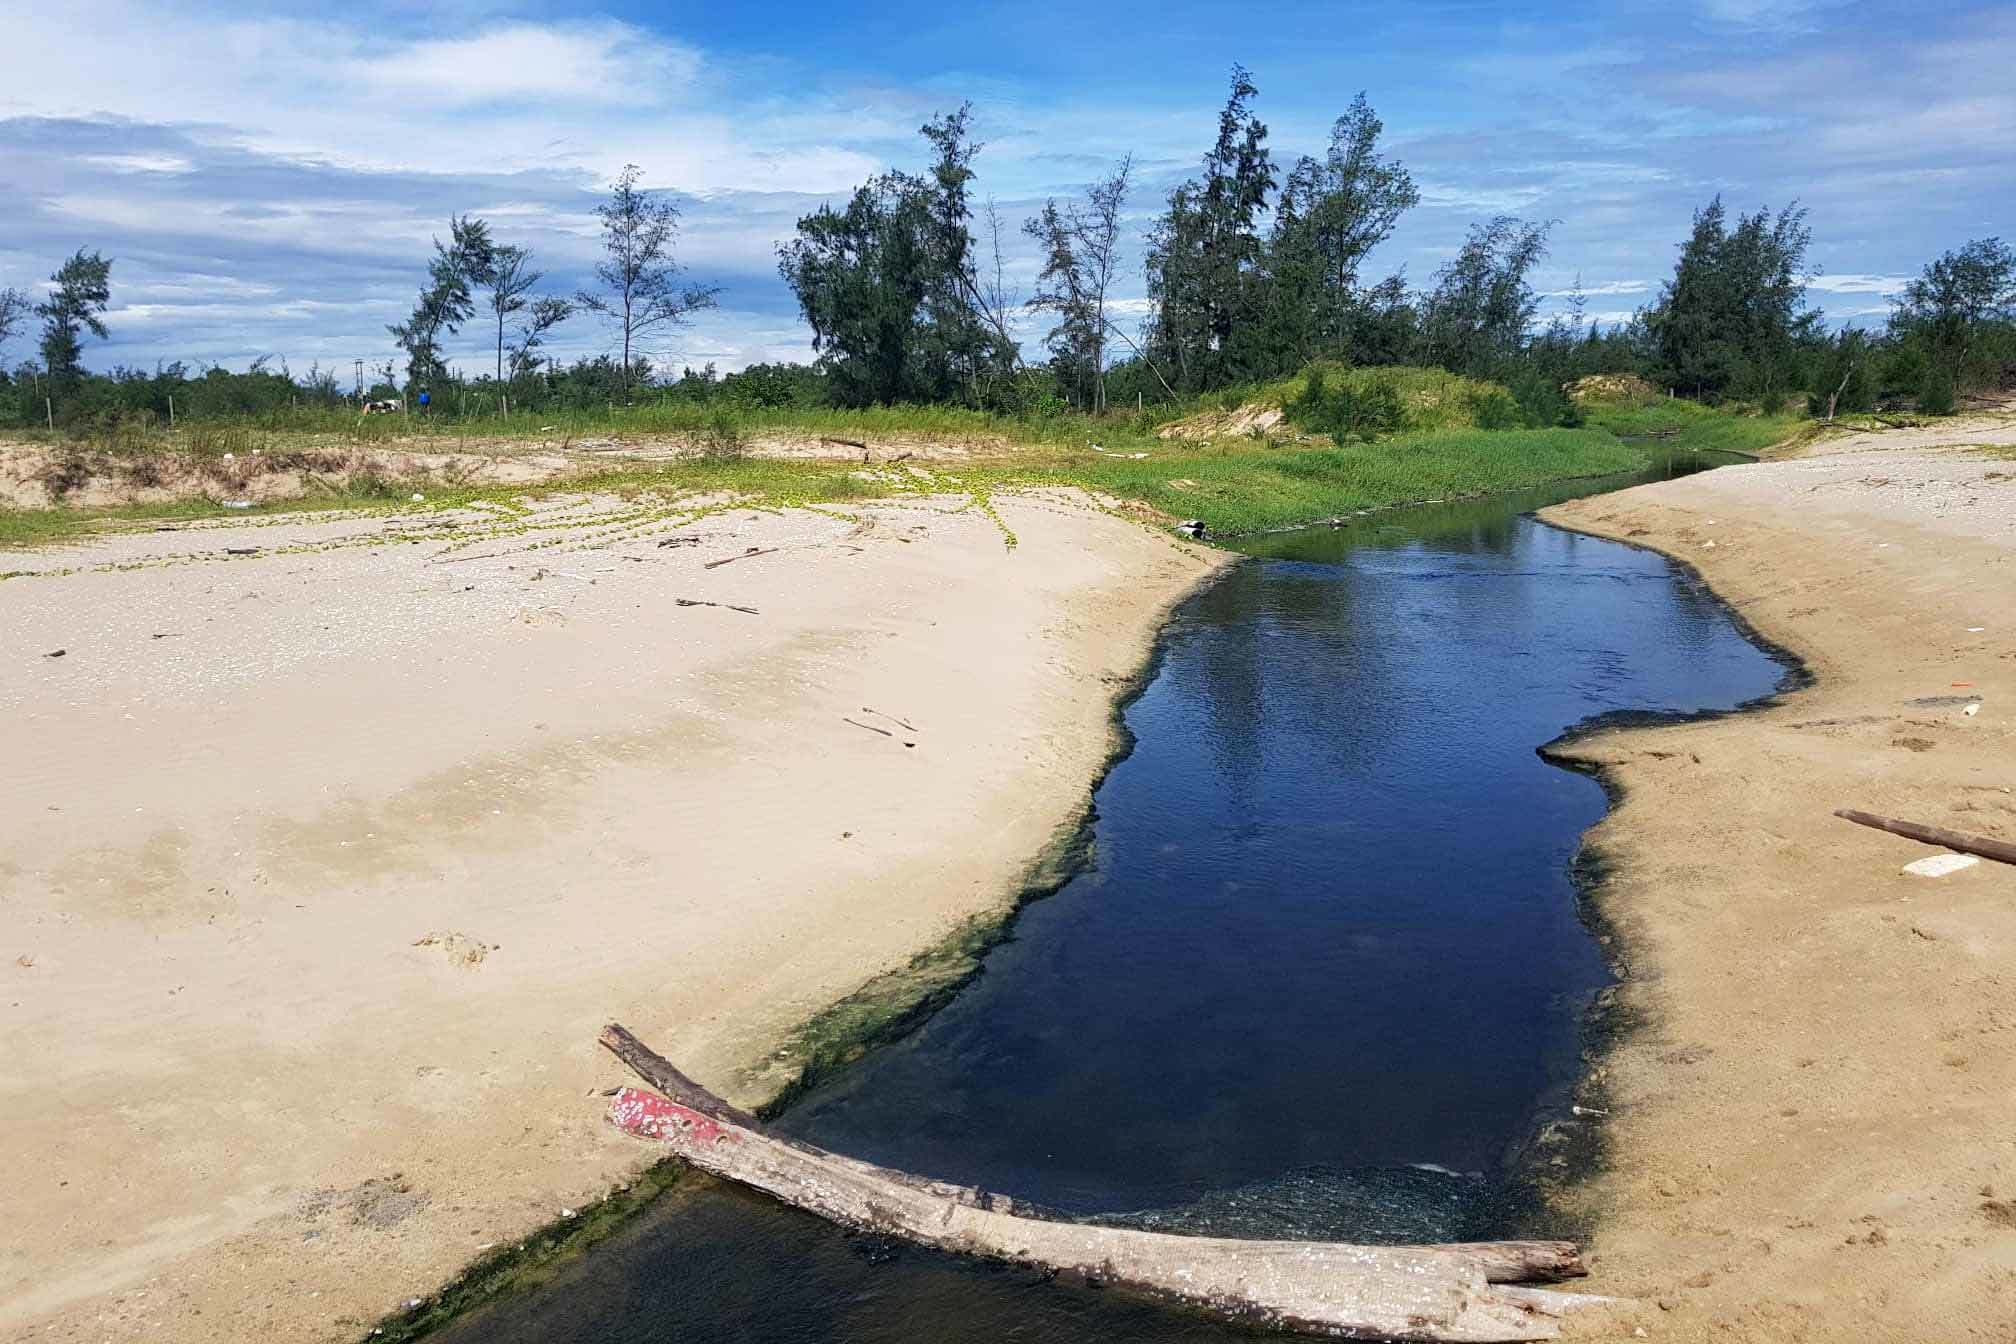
729,560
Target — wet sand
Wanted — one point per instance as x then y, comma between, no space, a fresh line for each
1812,1128
325,863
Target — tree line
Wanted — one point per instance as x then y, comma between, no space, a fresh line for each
1253,270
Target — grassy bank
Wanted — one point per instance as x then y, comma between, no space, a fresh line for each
1237,486
1249,491
1230,460
1688,424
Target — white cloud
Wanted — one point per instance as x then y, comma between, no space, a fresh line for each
139,163
1606,288
1850,283
604,62
581,96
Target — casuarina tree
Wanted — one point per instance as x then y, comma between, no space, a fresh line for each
83,289
1332,212
1204,277
510,280
544,315
890,287
1081,254
1731,319
1477,317
447,301
642,294
1955,309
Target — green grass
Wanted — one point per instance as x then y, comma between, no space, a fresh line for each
1234,483
24,528
1238,486
1698,427
518,1267
1431,398
1254,489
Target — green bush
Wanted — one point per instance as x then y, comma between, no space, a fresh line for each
1364,410
1542,403
1938,395
1494,408
723,439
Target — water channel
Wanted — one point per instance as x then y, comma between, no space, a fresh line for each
1322,976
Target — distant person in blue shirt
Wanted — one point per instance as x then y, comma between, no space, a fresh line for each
423,398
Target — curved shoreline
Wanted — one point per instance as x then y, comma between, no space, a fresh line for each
1564,1151
1763,1167
879,1013
893,1005
755,914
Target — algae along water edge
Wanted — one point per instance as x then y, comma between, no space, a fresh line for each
1321,974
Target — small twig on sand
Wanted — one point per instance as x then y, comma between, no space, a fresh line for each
696,602
891,717
869,726
753,550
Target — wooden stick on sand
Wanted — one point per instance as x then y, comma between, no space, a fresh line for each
2002,851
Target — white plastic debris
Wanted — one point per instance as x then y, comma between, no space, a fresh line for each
237,503
1707,545
1972,709
1939,865
419,498
1976,629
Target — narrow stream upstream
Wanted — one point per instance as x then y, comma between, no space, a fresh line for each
1322,976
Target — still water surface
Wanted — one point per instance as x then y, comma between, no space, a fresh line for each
1320,978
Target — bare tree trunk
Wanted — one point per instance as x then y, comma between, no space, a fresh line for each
1835,399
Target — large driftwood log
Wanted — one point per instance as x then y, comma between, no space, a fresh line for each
2002,851
1451,1292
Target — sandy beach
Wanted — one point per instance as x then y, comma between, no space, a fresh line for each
1810,1132
333,839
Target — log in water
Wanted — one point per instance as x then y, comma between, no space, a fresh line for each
1451,1292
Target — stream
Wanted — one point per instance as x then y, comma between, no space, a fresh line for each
1323,975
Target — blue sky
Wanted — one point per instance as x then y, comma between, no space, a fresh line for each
268,178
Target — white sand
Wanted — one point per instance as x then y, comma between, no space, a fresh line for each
246,1097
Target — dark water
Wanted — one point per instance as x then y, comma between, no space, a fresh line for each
1321,976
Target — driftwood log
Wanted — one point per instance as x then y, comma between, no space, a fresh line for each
1450,1292
2002,851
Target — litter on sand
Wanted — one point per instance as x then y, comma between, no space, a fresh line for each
1939,865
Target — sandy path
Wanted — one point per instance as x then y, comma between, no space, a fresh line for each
243,1098
1814,1123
